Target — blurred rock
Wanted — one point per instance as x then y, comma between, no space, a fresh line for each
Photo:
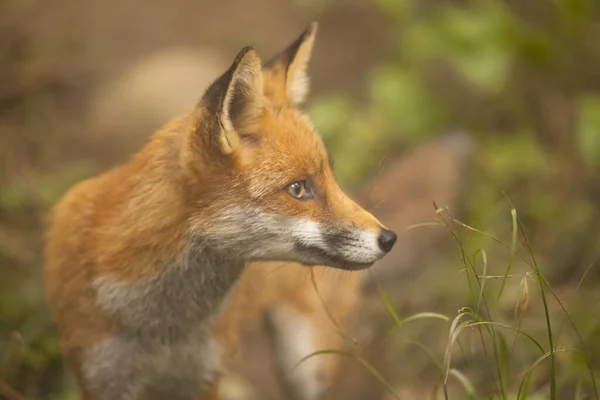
154,90
403,195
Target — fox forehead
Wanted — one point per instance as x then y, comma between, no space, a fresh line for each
290,150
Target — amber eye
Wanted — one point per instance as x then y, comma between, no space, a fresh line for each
298,190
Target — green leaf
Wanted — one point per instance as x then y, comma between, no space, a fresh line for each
408,107
471,40
394,8
330,114
588,129
513,249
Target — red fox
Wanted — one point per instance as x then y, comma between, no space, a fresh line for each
147,264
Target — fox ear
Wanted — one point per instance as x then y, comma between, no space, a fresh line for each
236,99
287,72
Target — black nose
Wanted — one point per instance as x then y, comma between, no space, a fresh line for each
386,240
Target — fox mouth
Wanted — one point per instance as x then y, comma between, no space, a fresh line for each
316,256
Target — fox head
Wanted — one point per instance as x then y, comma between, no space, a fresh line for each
263,187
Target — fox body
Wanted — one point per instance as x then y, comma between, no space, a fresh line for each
300,319
147,264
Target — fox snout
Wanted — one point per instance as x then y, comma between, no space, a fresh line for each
346,249
348,245
352,237
360,249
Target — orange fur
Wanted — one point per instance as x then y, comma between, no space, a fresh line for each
174,209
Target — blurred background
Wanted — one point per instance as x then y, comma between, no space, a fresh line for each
473,105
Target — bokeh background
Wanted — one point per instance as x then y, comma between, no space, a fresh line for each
477,106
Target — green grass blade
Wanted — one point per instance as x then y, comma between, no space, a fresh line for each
387,303
368,366
513,249
502,359
429,354
510,328
550,354
483,278
415,317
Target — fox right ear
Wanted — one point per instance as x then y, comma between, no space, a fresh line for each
236,100
287,80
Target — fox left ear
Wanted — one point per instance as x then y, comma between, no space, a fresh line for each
286,78
236,101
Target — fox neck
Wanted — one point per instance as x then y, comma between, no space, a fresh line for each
181,300
176,280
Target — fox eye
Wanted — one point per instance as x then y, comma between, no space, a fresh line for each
298,190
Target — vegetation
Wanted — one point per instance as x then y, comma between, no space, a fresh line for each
515,338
